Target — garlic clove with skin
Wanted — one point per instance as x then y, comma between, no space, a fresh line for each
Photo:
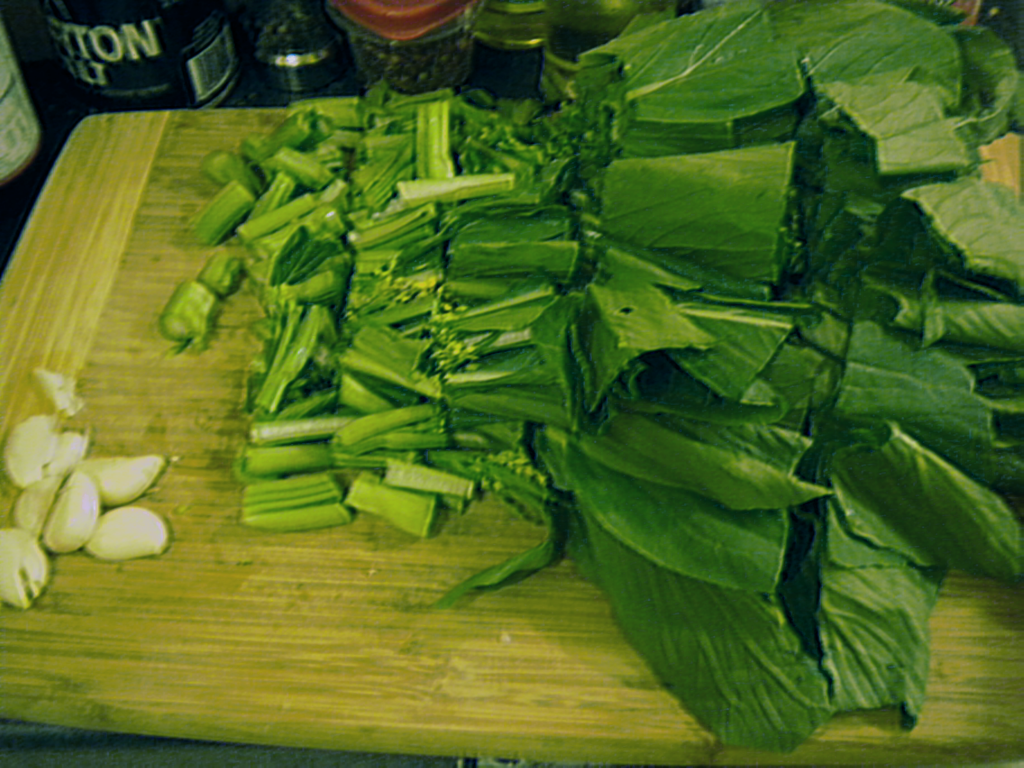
33,504
30,446
123,479
24,567
74,514
127,533
59,390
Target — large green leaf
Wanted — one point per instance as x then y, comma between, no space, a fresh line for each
907,122
927,391
660,386
670,270
845,40
729,655
905,497
623,319
745,341
707,81
677,529
750,467
988,323
982,220
728,208
873,623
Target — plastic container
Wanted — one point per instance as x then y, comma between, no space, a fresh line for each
20,134
146,53
414,45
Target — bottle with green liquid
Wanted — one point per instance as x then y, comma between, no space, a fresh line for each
575,26
511,25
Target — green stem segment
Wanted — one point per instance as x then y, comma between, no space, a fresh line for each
409,511
298,503
188,315
223,167
225,211
271,461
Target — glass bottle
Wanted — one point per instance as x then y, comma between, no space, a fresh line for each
575,26
20,134
160,53
511,25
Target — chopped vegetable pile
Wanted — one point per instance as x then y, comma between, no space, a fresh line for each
741,327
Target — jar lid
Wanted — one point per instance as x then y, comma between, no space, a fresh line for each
401,19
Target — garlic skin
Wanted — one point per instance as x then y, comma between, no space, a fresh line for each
74,514
71,449
123,479
59,390
24,568
33,504
127,533
30,446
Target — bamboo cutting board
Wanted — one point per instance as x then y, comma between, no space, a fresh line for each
325,639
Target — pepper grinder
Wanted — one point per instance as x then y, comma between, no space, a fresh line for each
293,42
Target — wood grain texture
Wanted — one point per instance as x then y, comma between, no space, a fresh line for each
325,639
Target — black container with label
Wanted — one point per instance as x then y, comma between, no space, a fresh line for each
160,53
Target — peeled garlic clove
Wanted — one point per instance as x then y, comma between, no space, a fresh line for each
30,446
123,479
71,449
74,515
127,533
24,567
33,504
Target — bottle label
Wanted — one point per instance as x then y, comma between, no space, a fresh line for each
180,51
211,67
19,129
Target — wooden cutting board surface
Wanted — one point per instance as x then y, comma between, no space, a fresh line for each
325,639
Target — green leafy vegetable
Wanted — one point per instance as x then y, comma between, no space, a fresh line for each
740,329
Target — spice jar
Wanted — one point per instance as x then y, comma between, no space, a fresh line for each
413,45
20,134
293,42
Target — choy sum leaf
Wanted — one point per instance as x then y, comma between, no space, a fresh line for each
703,82
981,220
729,655
906,497
927,391
727,208
621,322
907,122
844,40
873,620
734,469
674,528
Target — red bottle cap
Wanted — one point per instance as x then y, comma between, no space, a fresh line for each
401,19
